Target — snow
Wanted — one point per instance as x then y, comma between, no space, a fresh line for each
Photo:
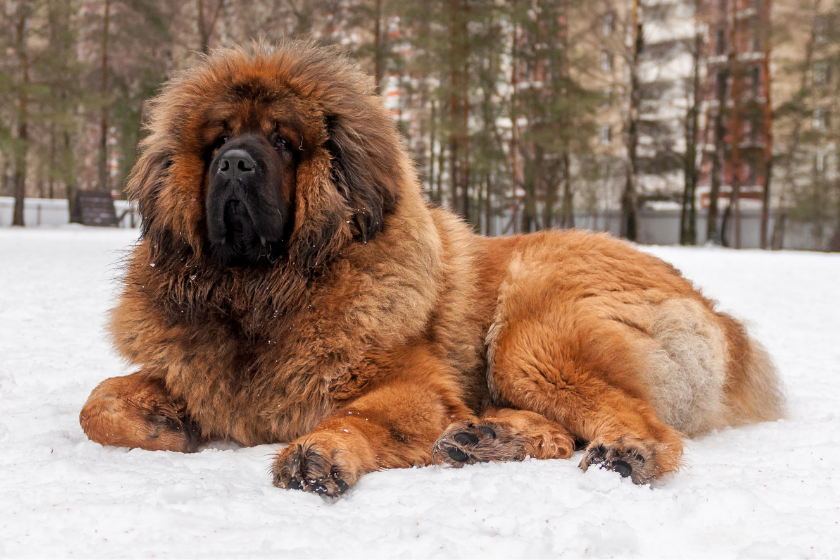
767,490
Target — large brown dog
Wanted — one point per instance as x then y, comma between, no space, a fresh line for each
291,285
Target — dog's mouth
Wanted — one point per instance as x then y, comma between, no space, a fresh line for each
246,219
239,226
236,239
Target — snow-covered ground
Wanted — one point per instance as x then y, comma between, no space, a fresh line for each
769,490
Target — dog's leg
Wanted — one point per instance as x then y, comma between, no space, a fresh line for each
503,435
137,411
391,426
588,387
623,431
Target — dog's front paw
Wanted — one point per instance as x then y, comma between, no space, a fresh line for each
466,443
630,457
316,467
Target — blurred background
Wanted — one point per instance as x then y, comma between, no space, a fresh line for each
663,121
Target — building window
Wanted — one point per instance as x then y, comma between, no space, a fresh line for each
608,24
720,41
721,83
756,39
606,95
751,173
752,128
754,74
823,27
606,61
821,76
821,118
820,161
605,135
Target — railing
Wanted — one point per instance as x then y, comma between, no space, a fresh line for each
656,227
53,212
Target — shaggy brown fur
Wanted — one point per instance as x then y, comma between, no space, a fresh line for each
386,334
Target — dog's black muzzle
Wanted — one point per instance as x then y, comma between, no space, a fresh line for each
246,217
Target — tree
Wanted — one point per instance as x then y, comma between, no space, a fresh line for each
768,131
21,18
721,87
103,182
557,111
795,110
734,207
207,22
691,172
630,196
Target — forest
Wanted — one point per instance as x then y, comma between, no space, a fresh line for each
520,115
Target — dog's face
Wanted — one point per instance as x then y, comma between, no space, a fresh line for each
278,155
252,151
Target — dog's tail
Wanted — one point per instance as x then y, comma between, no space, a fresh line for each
754,392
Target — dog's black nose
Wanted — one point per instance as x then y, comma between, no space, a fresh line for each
236,164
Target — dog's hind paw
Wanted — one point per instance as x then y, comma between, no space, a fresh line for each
629,457
466,443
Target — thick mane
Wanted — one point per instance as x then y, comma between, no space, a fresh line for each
350,176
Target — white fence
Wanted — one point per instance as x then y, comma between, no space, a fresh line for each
55,212
662,227
656,227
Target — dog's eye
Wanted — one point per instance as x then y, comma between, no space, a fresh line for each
281,143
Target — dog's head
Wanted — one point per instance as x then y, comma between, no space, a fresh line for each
277,153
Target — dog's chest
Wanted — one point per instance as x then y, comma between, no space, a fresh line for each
265,389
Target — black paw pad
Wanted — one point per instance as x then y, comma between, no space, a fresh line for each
622,468
465,438
457,455
488,431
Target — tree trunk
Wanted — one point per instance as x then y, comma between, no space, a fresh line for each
103,119
515,164
441,163
834,243
377,46
552,188
205,28
71,188
567,207
454,105
23,121
818,184
629,198
202,27
529,210
465,112
735,133
778,238
768,132
490,230
792,148
51,163
688,212
712,233
434,194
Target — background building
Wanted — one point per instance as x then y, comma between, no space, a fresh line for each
520,115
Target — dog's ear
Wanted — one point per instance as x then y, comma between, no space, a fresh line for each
144,186
321,226
365,172
346,191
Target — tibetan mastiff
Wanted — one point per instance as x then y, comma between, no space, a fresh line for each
292,286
